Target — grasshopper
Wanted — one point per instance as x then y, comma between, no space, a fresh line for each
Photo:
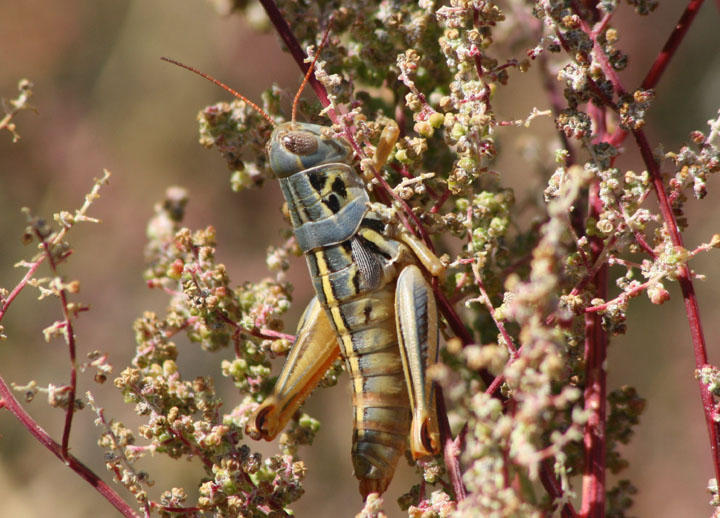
373,305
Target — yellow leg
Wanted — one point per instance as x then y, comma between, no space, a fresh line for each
388,137
426,256
314,351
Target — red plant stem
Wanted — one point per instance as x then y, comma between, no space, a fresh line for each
283,29
451,447
602,24
593,490
435,208
688,292
684,277
453,319
491,310
257,332
403,170
17,289
671,45
194,449
596,341
70,338
549,482
593,486
268,334
495,384
12,404
620,299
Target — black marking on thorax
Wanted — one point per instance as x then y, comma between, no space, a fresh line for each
332,202
373,224
317,180
338,186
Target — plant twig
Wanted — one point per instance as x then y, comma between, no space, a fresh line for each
485,299
116,445
671,45
80,215
70,340
298,54
688,292
684,276
12,107
451,448
32,268
596,342
12,404
549,482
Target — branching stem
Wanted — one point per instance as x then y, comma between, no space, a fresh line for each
9,402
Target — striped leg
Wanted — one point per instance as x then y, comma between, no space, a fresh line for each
315,349
416,319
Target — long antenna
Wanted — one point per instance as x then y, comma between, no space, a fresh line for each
227,88
309,71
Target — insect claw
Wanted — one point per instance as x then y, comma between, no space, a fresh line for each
425,439
263,424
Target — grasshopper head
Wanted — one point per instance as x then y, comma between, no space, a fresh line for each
296,146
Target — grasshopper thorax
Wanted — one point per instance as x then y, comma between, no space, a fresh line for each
297,146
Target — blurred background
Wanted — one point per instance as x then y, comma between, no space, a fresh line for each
105,100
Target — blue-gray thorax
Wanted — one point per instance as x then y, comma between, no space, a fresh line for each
326,204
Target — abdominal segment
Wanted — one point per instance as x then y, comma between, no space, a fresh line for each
360,304
380,401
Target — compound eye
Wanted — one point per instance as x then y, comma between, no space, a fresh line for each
300,142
